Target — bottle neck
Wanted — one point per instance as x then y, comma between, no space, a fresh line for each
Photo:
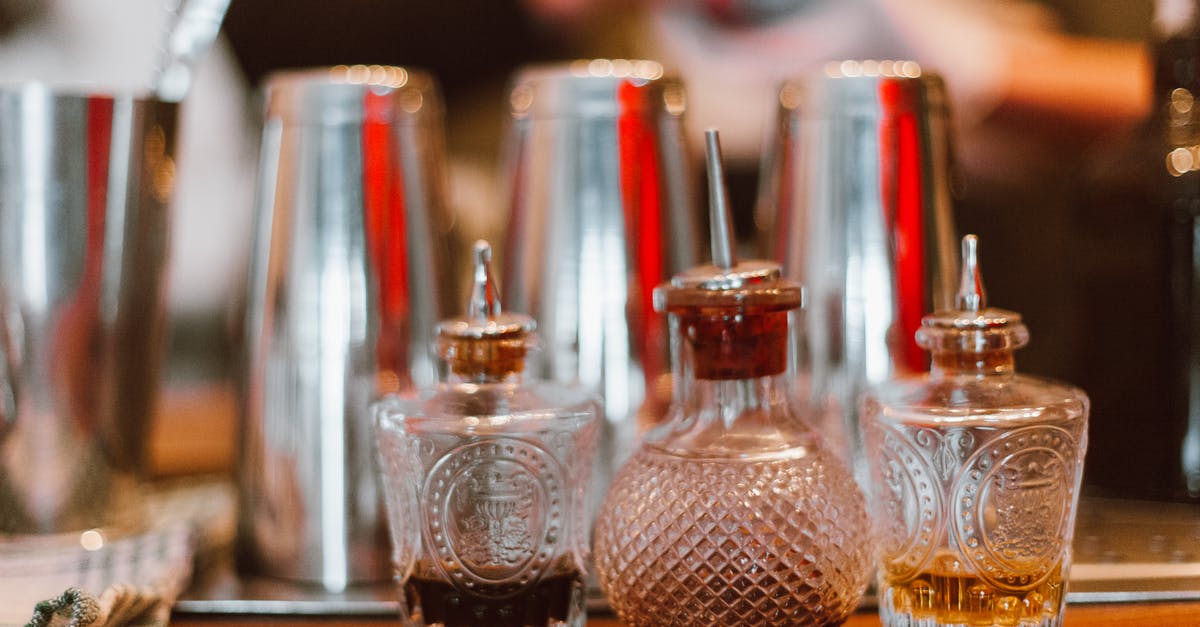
728,400
987,363
733,419
484,377
732,381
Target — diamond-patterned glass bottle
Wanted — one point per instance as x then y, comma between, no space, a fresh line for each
976,474
485,478
733,512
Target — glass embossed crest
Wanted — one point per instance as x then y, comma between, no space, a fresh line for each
493,512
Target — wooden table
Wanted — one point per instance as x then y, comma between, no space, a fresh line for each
1094,615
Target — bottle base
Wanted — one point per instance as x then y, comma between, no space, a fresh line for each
889,616
557,601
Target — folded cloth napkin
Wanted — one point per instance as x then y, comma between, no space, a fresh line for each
90,580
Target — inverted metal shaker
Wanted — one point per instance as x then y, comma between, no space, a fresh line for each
857,205
347,283
85,185
601,213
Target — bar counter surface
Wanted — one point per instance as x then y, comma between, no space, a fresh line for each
1083,615
1125,551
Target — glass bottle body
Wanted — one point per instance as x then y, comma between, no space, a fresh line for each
733,511
976,480
485,485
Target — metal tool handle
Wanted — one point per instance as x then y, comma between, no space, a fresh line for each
192,31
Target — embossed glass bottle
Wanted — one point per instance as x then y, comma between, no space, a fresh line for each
485,480
733,512
975,472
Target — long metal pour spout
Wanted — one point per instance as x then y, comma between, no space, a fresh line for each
720,222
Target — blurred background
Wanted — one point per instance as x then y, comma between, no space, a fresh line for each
1050,101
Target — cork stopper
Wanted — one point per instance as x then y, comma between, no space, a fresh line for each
486,343
733,313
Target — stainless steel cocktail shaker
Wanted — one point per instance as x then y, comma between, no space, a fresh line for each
346,286
601,213
856,194
85,186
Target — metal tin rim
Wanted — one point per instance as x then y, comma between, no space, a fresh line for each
346,94
591,89
70,92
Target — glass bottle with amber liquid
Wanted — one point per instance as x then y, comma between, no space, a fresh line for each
975,472
484,479
734,511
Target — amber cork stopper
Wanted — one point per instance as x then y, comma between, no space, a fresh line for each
733,314
486,344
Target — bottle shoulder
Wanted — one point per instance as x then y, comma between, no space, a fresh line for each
776,432
790,472
1015,398
501,406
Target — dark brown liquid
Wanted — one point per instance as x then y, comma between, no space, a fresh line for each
552,600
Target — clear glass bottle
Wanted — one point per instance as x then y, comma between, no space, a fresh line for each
733,512
975,472
485,480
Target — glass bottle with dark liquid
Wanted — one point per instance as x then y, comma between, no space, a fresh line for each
975,472
734,511
485,480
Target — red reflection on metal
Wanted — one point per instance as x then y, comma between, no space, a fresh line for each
902,191
643,224
77,330
386,235
519,217
785,186
99,136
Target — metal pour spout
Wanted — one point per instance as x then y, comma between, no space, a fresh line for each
485,296
720,222
971,295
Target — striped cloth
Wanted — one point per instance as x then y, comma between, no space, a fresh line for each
91,580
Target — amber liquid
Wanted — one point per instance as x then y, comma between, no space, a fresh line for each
957,598
555,600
